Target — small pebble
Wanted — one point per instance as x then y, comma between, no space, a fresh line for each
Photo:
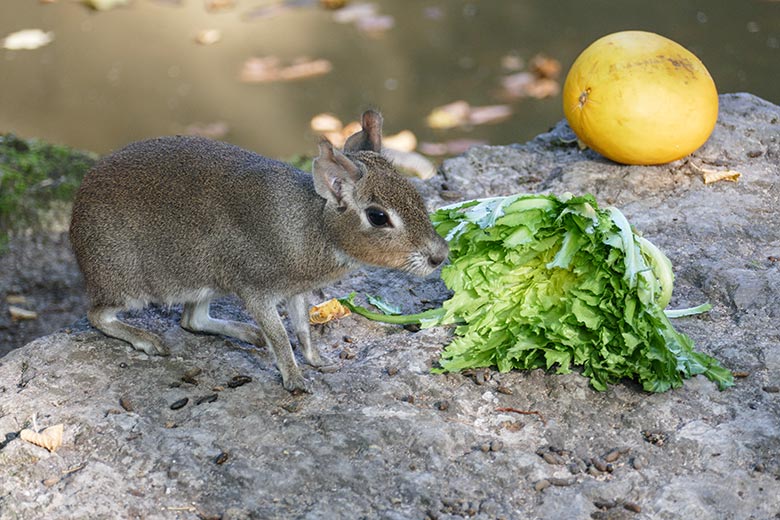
189,376
773,389
412,327
632,506
638,463
391,371
206,399
485,447
181,403
125,403
542,485
612,455
604,504
348,339
346,354
496,445
561,482
442,405
552,458
239,381
657,437
501,389
600,465
221,458
122,365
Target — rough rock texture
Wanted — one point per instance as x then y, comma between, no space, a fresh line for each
383,438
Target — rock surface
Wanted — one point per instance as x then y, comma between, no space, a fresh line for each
383,438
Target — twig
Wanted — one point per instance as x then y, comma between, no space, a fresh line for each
523,412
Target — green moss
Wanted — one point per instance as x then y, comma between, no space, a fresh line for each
33,176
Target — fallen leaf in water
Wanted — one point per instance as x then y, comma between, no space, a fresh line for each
354,12
403,141
324,123
305,69
411,164
461,113
105,5
27,39
543,66
453,147
332,4
449,116
219,5
267,69
489,114
328,311
18,313
512,62
215,130
375,24
208,36
539,82
366,17
50,438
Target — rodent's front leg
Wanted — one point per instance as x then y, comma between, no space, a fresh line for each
267,318
297,310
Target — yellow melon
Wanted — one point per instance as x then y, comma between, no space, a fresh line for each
639,98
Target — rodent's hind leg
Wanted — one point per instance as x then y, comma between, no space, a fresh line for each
105,319
195,318
299,319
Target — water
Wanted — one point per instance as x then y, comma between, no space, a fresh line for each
133,72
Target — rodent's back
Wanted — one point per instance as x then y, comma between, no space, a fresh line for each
167,215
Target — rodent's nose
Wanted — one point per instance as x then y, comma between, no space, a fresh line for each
436,259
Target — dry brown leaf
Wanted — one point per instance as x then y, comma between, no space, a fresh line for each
328,311
50,438
710,175
18,313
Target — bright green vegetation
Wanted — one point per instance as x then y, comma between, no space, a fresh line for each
33,175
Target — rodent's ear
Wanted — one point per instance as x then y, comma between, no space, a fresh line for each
370,137
334,174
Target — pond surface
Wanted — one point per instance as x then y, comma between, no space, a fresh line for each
132,72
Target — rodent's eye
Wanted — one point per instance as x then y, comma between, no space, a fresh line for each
378,218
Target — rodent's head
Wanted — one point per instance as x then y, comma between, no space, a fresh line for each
374,213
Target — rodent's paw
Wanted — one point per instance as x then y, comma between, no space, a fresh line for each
152,347
297,385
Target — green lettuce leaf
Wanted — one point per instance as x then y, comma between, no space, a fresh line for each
547,282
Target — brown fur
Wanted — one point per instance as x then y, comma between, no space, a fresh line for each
183,219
